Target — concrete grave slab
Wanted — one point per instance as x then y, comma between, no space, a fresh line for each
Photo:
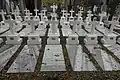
26,61
53,59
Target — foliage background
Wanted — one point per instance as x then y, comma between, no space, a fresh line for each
47,3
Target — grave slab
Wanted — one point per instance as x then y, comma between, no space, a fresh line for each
115,49
78,59
106,62
109,63
53,59
6,55
26,61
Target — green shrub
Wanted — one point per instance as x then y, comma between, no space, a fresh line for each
48,3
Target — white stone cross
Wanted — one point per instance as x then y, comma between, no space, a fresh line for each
16,13
102,15
27,12
36,17
66,15
63,18
28,15
54,7
44,12
64,12
95,8
80,8
94,23
32,24
18,10
113,23
2,14
10,21
71,13
118,17
79,14
41,15
89,15
53,26
89,12
36,10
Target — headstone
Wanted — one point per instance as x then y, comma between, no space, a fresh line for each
71,18
12,38
11,22
110,37
91,38
43,15
17,16
34,39
53,39
79,15
73,39
54,24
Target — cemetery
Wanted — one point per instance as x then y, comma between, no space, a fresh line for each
91,40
